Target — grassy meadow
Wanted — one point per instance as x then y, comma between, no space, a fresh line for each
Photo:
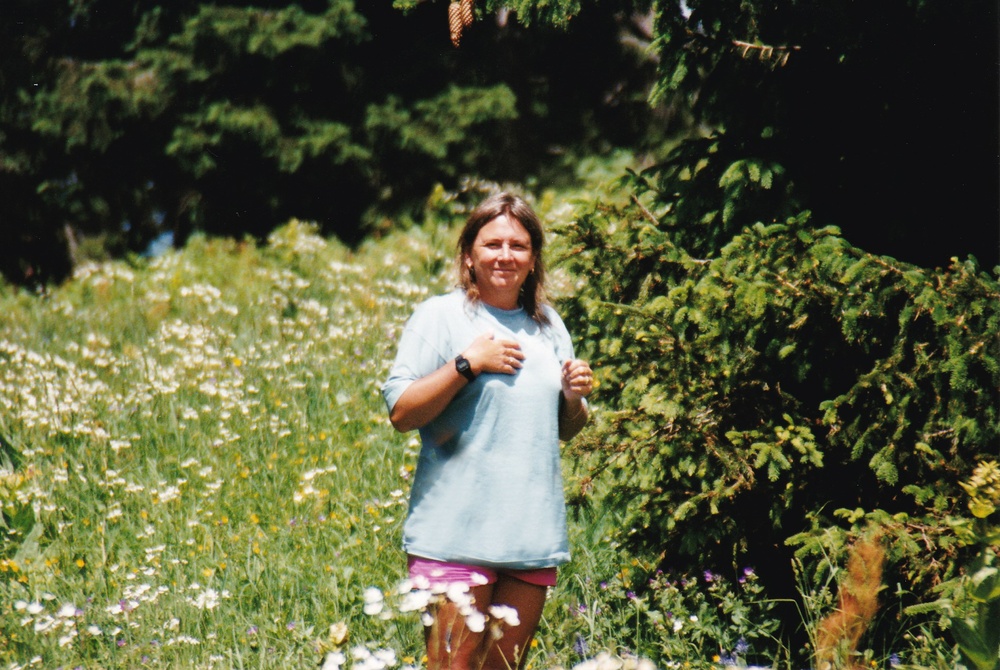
198,455
197,471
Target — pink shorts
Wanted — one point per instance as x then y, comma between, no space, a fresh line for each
440,572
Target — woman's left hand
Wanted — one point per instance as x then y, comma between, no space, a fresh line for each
577,379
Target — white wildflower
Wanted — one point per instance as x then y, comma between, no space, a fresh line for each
374,601
168,494
458,592
475,621
208,599
333,661
122,606
603,661
386,656
44,623
414,601
506,614
118,445
67,611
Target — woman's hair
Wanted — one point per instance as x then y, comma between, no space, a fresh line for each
533,298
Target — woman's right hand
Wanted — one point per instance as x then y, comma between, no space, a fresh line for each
488,354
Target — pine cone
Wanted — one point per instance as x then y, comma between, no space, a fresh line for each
455,22
467,15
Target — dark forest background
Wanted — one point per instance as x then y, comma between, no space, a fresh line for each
122,121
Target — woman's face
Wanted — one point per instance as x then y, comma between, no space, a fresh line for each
501,258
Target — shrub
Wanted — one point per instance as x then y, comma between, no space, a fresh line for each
784,390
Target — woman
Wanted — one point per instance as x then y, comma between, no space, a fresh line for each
487,374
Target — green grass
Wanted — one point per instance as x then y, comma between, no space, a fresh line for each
206,452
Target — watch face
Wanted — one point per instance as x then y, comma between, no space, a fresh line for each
463,367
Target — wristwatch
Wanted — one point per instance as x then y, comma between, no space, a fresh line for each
463,367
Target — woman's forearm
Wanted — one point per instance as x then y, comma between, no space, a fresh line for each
425,399
573,416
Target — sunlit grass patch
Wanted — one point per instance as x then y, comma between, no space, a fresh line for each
198,467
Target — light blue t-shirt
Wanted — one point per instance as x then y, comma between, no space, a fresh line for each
488,486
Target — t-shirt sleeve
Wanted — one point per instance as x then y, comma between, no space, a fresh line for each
421,351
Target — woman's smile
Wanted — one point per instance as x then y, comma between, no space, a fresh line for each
500,261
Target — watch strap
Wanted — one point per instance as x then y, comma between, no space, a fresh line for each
463,367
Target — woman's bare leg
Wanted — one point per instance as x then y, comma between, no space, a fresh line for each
511,650
450,643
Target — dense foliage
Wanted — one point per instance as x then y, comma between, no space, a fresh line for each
786,392
121,122
779,377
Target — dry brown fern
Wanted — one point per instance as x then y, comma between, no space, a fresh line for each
838,634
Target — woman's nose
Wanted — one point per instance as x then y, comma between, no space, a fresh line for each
505,252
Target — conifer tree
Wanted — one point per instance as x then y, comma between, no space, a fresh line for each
118,122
